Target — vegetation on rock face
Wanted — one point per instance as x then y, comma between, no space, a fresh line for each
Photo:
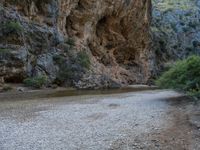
166,5
12,26
71,69
184,75
83,59
4,53
7,88
36,82
70,41
175,26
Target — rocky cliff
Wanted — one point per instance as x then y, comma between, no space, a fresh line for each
84,43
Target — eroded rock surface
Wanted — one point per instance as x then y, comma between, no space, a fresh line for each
113,33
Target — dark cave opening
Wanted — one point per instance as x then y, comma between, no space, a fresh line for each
14,79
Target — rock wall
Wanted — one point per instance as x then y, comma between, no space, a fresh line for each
45,38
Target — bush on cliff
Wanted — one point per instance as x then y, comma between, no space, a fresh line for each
72,68
83,59
184,76
12,27
36,82
4,53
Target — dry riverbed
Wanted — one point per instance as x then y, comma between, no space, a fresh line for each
107,120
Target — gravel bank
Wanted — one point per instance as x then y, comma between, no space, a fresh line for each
91,122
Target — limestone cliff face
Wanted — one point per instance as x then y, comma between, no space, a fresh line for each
45,37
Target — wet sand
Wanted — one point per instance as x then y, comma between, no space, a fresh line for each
150,119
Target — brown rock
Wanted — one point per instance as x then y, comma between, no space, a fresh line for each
115,35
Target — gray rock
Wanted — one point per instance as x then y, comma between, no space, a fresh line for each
93,81
46,63
20,89
195,120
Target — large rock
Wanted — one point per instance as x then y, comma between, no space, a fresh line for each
113,33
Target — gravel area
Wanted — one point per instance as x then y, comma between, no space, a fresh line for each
93,122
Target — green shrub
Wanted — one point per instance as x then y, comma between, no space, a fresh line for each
83,59
71,68
184,75
70,41
14,2
66,73
194,93
36,82
7,88
59,59
5,53
12,26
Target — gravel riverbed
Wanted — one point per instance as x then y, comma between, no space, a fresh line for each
153,119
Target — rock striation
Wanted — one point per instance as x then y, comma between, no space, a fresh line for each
86,43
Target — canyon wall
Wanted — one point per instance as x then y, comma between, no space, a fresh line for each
81,43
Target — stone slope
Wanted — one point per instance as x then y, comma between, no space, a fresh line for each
46,38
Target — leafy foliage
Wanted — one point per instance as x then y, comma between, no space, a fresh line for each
166,5
7,88
4,53
12,27
36,82
71,68
70,41
184,75
83,59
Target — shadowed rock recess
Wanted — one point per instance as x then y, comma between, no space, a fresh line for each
82,43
